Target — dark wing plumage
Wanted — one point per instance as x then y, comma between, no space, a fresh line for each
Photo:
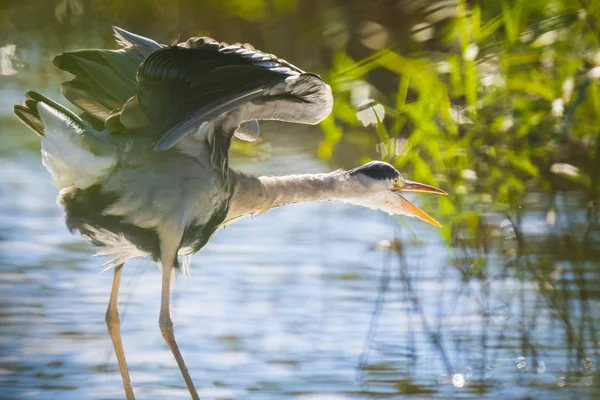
28,113
170,91
104,79
181,87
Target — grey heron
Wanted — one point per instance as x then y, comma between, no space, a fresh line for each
143,170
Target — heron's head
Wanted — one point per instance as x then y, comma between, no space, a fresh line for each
379,185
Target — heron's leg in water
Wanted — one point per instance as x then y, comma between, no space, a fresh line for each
166,327
114,330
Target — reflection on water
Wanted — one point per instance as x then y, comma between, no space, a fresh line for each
311,301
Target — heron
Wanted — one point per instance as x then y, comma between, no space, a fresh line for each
143,171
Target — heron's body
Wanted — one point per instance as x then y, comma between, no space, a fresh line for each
132,195
143,171
135,204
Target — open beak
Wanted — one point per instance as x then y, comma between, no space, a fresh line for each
410,186
409,208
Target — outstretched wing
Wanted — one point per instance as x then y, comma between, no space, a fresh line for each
73,152
181,87
104,79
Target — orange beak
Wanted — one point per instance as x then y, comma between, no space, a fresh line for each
412,210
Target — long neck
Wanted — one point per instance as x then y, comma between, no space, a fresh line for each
256,195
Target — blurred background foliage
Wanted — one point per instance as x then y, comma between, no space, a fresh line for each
491,103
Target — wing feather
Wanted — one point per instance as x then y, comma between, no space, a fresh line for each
181,87
72,151
127,39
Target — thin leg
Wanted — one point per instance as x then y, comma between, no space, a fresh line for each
114,330
166,327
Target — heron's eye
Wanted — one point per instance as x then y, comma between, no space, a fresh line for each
396,181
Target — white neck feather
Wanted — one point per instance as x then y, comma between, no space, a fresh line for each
256,195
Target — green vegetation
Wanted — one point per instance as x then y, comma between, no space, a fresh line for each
498,104
506,102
